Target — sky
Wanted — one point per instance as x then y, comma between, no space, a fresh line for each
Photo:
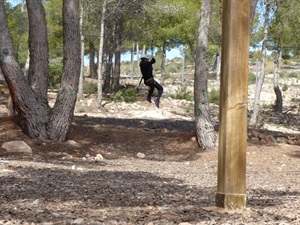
14,2
173,53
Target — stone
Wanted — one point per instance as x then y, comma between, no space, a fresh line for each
281,140
271,139
141,155
17,147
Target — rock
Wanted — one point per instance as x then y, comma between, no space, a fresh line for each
34,204
99,157
141,155
17,147
255,134
73,143
193,139
79,221
281,140
271,139
290,142
262,136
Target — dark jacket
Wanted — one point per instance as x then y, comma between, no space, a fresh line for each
146,68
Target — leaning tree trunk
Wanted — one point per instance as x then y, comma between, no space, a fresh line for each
260,82
65,103
278,102
33,117
205,130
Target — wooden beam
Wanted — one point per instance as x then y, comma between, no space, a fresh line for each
231,190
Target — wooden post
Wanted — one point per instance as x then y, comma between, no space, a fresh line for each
231,191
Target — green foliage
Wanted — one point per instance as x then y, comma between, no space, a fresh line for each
293,75
127,94
282,74
251,79
55,27
17,20
55,72
214,96
255,56
285,87
289,75
287,62
89,88
183,94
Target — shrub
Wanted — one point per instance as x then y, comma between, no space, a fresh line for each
214,96
183,93
285,87
293,75
251,78
89,88
55,72
127,94
282,74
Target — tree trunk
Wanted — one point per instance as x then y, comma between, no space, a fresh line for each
163,64
38,48
138,59
117,67
80,86
65,103
132,61
31,103
108,72
33,115
279,101
100,55
92,65
204,127
260,81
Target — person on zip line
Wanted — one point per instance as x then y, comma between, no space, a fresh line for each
147,72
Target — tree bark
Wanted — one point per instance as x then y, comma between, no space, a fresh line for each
33,115
80,86
100,55
117,67
65,103
38,49
93,66
163,64
205,130
279,101
108,72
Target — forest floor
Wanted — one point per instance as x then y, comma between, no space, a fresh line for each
138,164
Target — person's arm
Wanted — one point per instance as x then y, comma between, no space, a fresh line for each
152,61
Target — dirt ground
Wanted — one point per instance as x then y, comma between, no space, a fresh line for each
137,164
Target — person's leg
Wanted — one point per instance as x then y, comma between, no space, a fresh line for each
150,93
159,94
150,84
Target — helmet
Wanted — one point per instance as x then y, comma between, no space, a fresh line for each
144,56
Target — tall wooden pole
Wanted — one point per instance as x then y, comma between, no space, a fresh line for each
231,191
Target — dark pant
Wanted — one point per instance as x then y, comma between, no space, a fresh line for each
154,84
